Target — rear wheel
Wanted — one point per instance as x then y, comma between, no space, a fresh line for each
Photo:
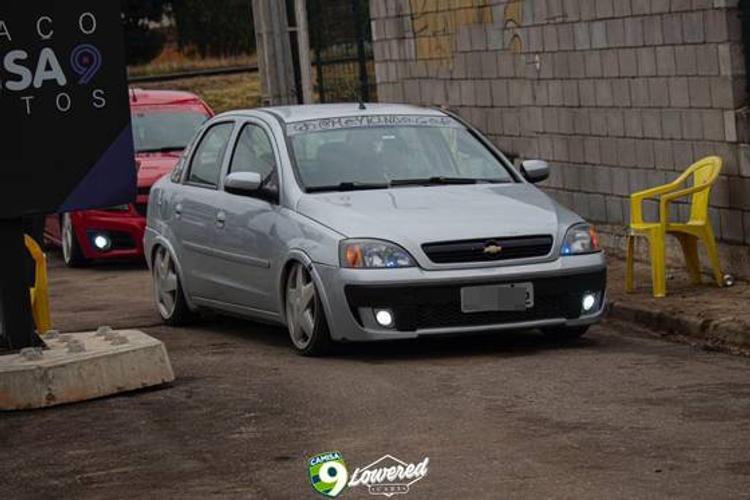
307,324
566,332
170,299
71,249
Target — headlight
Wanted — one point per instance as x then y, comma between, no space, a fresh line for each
581,239
373,254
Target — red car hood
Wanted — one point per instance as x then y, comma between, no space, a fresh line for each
153,166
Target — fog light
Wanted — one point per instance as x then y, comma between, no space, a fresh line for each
384,317
102,242
589,302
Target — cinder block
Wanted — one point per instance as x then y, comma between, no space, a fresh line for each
604,93
483,94
604,8
722,93
610,63
565,37
633,30
731,225
593,63
549,34
644,153
713,125
692,27
633,123
587,93
628,62
489,65
570,93
639,92
598,35
700,92
576,64
621,92
651,124
555,93
499,89
692,125
665,61
122,361
658,90
685,60
582,38
615,33
591,150
641,7
671,124
679,93
646,61
653,35
716,26
615,123
672,29
708,59
663,155
626,152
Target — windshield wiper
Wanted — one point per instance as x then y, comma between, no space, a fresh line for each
349,186
442,180
165,149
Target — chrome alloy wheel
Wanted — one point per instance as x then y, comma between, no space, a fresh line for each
67,239
165,283
301,306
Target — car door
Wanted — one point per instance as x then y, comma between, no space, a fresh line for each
247,237
195,206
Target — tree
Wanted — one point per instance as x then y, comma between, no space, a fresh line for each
214,28
142,42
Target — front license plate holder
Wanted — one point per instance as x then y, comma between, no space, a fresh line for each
497,298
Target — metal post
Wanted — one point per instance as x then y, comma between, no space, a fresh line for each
303,42
319,50
16,324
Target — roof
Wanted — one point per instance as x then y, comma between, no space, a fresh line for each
140,97
292,114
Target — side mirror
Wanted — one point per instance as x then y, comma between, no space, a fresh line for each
535,170
243,183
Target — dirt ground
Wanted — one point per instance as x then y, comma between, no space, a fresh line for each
616,415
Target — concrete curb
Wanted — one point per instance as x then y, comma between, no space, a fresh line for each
729,332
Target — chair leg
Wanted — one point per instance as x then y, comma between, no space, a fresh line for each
630,265
658,265
713,254
689,246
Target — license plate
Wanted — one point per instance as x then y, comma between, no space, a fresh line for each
490,298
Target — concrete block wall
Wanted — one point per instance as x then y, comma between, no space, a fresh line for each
618,95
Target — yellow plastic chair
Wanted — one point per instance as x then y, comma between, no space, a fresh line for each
698,228
40,291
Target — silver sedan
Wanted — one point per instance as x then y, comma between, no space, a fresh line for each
352,222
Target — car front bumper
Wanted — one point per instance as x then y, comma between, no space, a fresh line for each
428,302
124,229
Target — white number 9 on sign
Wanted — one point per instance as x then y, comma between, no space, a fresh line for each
334,472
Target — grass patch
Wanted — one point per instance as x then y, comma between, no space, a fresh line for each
222,93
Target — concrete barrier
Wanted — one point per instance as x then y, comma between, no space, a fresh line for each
81,366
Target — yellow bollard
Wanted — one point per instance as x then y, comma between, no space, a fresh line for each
40,291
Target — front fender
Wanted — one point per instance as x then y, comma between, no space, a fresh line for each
297,255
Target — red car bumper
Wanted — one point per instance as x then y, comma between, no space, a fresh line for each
123,231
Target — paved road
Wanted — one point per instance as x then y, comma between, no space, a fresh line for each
617,415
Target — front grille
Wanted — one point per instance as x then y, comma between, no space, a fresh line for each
142,208
477,250
424,307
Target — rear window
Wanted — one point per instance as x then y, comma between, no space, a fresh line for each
155,131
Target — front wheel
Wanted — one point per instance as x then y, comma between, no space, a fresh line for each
307,324
71,248
170,299
565,332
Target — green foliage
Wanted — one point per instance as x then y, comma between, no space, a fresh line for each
142,43
215,28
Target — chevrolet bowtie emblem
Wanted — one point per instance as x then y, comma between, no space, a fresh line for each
493,249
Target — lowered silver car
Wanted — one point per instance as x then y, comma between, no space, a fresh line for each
349,222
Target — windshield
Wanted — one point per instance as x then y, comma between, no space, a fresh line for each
373,154
155,131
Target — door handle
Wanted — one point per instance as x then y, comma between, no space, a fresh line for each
178,210
221,219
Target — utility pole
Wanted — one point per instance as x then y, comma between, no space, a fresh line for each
275,61
303,43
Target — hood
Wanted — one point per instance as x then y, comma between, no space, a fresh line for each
153,166
418,215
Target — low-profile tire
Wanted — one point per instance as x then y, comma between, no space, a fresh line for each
566,333
168,293
305,319
71,248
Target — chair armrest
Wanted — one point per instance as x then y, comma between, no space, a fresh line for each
668,198
636,199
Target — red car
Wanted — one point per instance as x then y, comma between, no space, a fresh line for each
163,124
